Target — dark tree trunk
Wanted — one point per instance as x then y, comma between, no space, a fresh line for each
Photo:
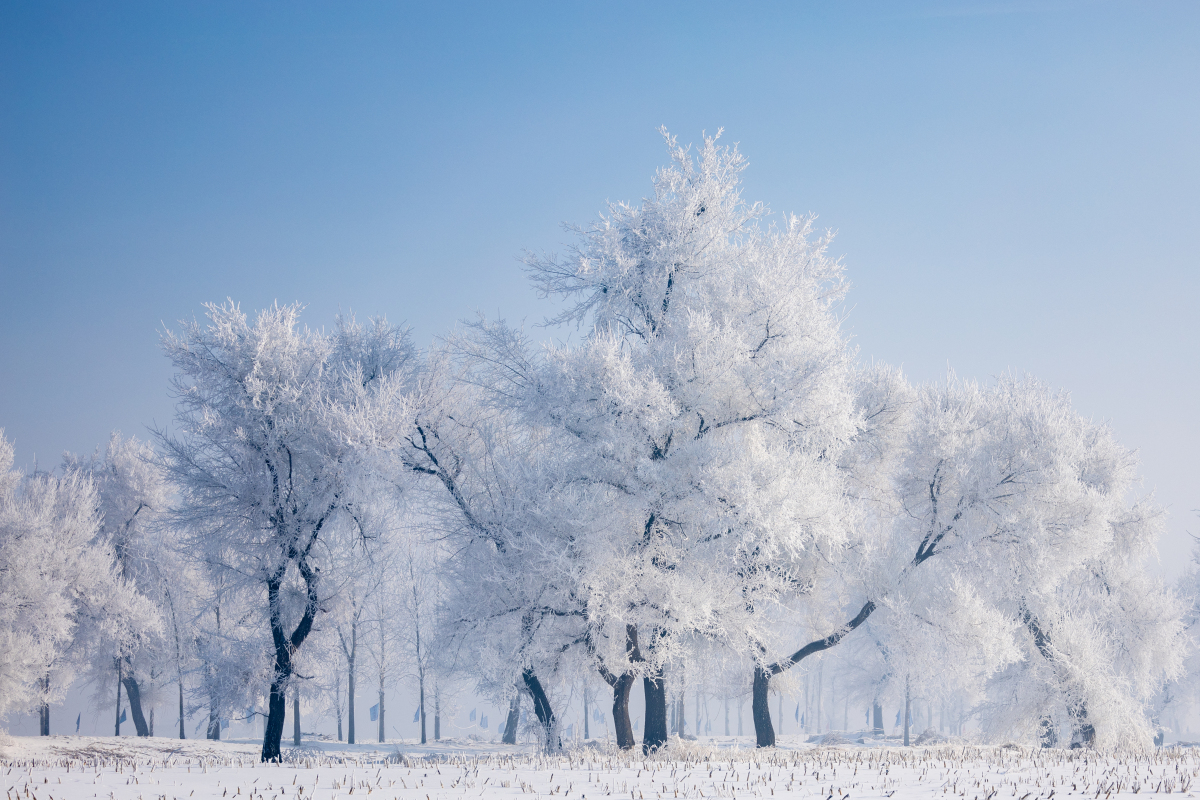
541,707
621,722
276,711
44,707
877,713
514,719
654,736
133,695
296,715
768,734
764,732
117,731
181,715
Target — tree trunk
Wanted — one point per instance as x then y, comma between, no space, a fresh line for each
620,711
276,711
181,714
763,731
133,695
285,646
877,713
514,719
541,707
352,677
726,715
586,734
421,681
655,734
907,710
296,715
214,724
437,712
381,729
44,707
117,731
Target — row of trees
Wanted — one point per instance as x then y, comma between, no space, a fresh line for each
708,484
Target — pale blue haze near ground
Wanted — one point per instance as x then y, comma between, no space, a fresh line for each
1014,185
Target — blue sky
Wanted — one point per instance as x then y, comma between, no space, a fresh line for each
1015,186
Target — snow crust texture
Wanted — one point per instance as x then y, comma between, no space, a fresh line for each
76,768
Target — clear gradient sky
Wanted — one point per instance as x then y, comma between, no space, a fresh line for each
1015,186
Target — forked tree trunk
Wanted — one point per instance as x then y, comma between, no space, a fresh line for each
655,734
133,695
285,646
877,713
514,719
622,686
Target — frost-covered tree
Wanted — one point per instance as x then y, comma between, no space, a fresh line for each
1017,538
62,598
697,427
276,431
132,496
492,499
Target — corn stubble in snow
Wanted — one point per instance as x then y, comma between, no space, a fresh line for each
73,768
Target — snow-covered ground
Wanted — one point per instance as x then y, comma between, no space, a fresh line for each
78,768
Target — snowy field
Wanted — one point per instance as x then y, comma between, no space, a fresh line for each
75,768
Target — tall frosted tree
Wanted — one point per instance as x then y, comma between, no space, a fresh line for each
697,427
275,430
